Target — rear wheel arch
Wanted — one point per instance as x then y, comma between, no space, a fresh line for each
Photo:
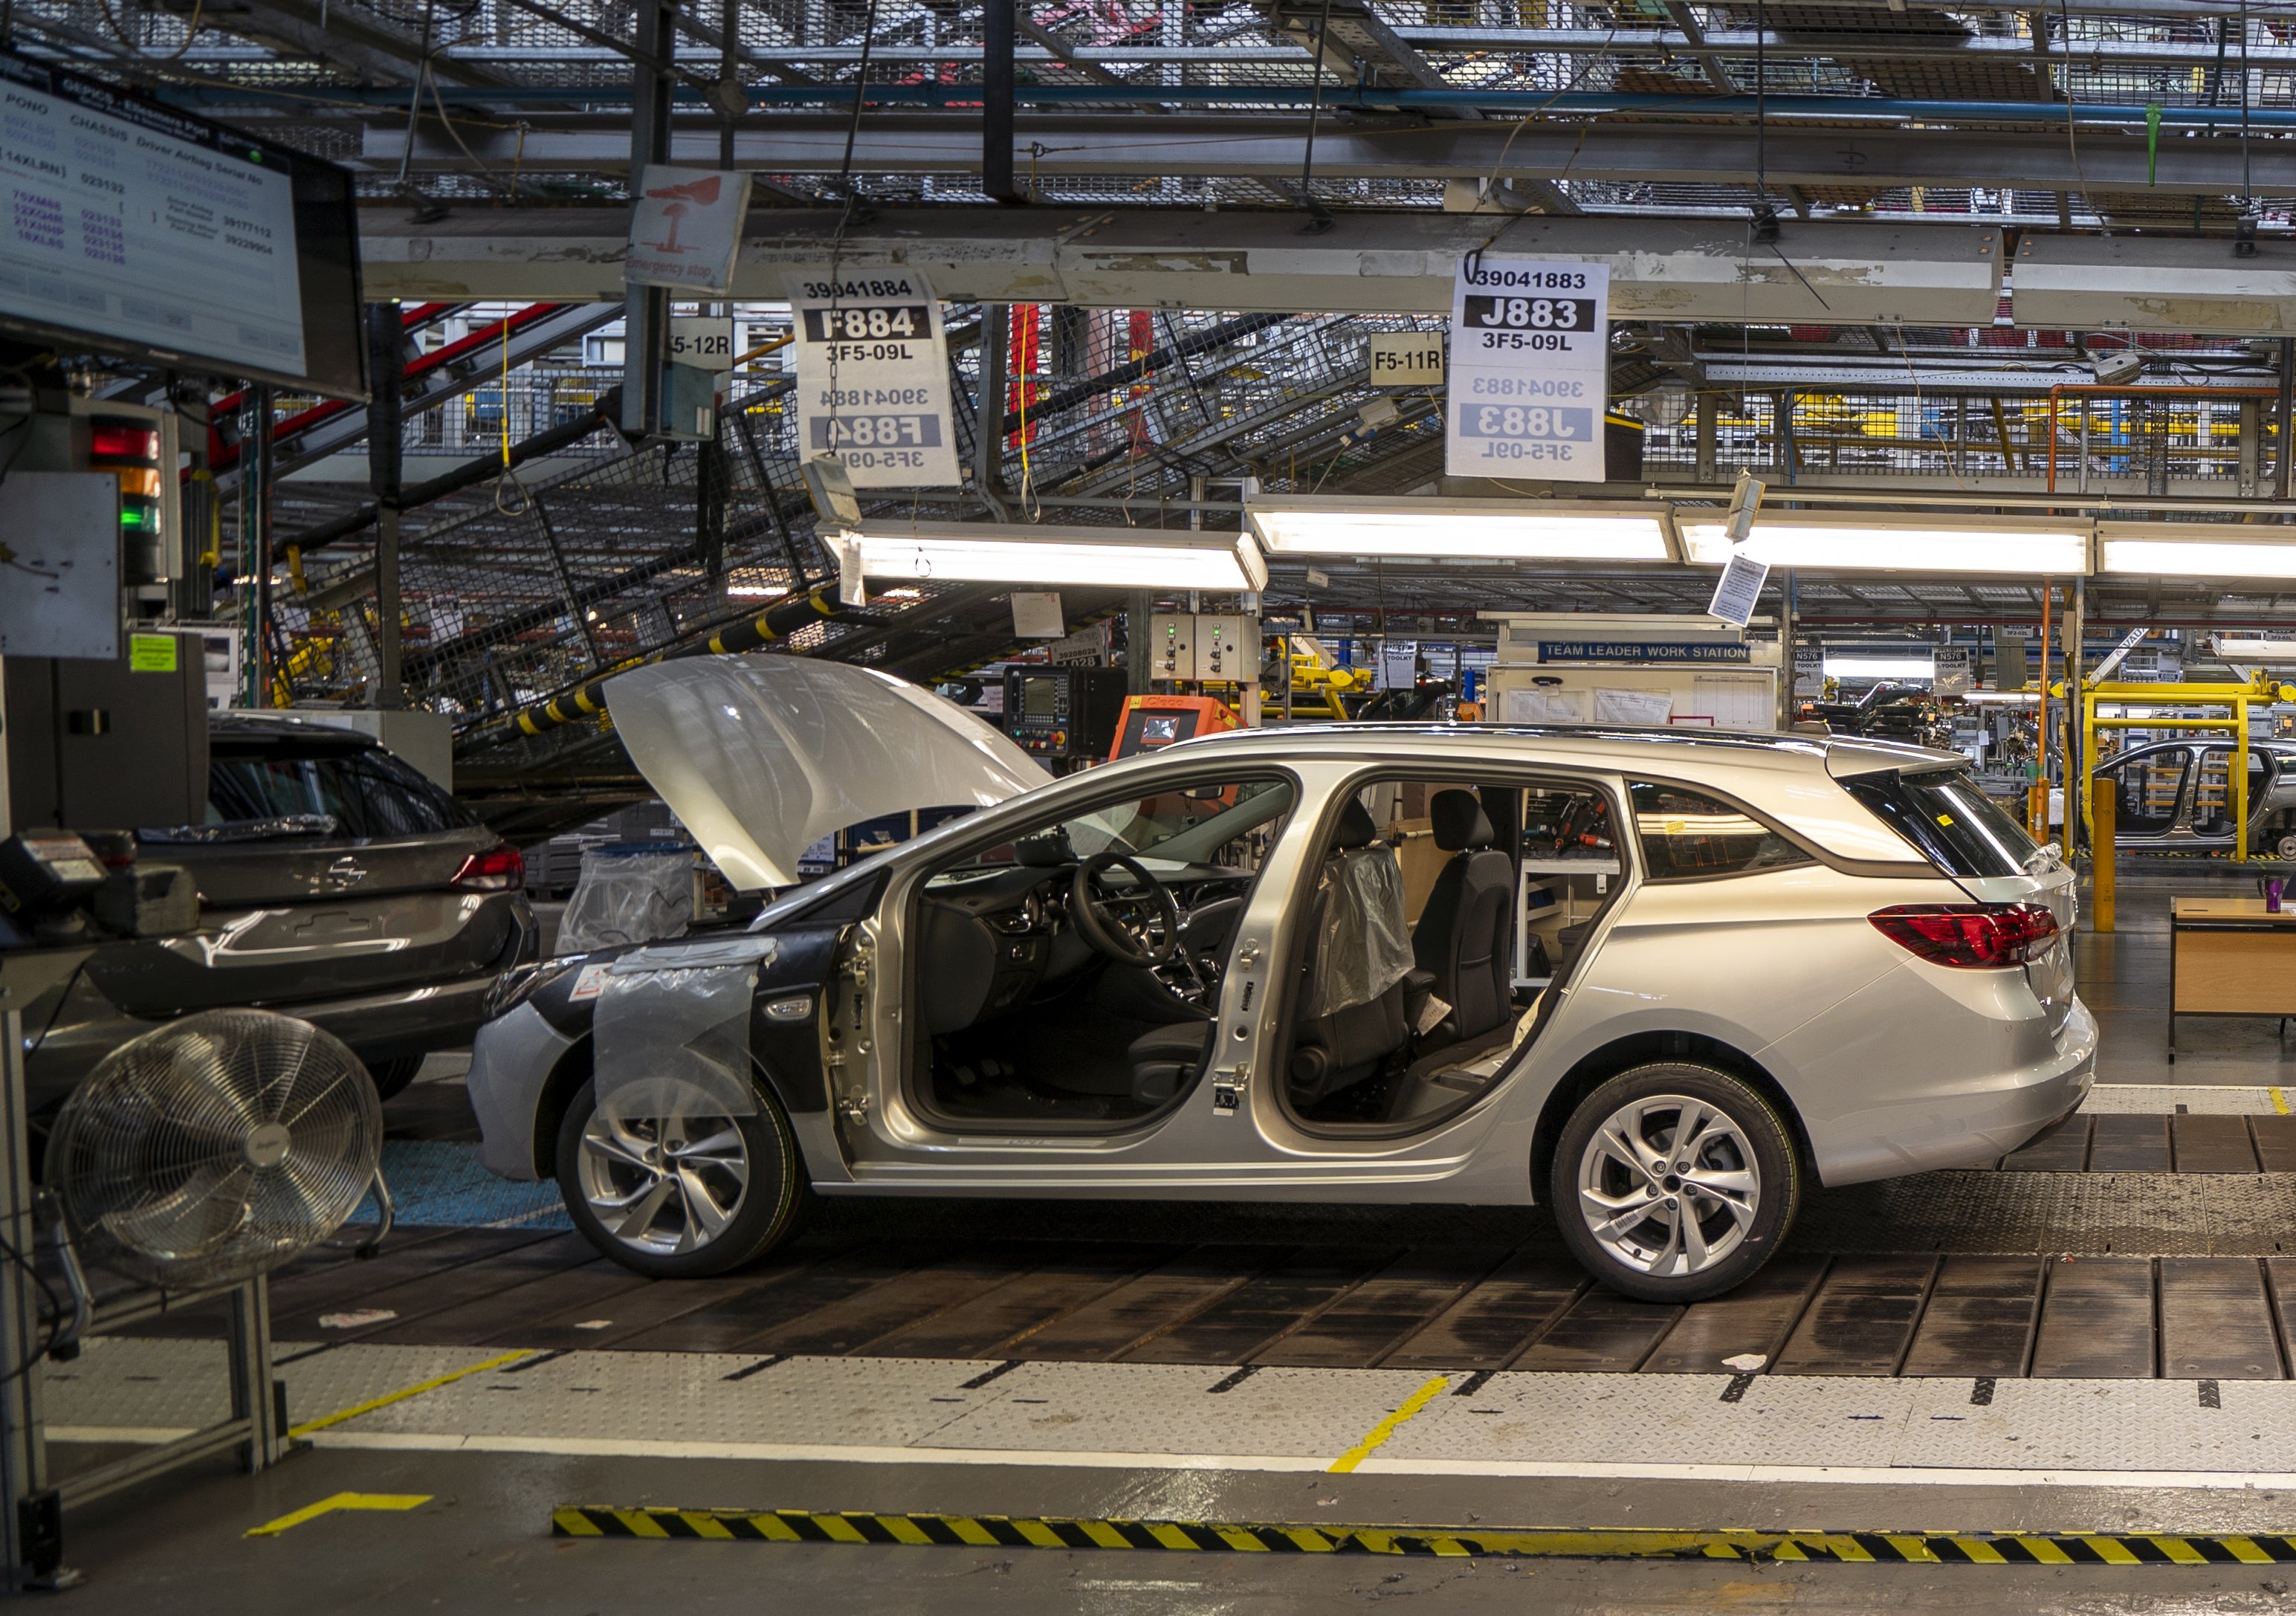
1599,1066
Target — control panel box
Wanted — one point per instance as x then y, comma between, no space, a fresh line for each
1227,648
1171,648
1205,646
1063,713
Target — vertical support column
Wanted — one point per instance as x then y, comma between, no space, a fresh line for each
259,531
23,1446
1786,607
2076,766
386,337
2252,446
646,314
248,1349
2102,821
1139,607
1710,415
996,79
2281,466
988,415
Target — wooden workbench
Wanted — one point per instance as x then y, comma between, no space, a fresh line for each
2229,956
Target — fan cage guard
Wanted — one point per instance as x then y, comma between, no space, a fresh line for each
215,1148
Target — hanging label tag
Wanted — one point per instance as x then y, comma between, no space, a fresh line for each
1737,590
873,384
1529,370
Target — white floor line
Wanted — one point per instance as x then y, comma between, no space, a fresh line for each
819,1453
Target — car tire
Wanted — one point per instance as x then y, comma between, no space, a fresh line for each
598,1175
2284,847
1609,1164
391,1076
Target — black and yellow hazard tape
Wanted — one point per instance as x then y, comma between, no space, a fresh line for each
1535,1543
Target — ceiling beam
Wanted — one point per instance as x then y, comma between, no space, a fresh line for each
1877,156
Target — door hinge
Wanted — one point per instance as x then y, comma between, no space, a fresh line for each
1228,1085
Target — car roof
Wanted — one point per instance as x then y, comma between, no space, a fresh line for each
268,729
1840,756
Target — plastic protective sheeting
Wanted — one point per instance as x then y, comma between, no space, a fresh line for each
761,755
671,1032
1363,942
626,898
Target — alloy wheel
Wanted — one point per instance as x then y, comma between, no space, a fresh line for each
1668,1185
664,1184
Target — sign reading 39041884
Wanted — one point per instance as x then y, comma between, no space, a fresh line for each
1529,369
872,382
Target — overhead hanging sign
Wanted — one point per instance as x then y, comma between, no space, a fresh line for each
686,228
872,382
1407,359
1739,589
1529,369
1949,671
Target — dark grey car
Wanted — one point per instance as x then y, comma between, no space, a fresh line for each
336,883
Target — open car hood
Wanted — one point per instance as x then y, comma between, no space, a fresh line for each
761,755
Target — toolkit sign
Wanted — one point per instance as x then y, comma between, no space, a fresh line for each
872,377
1530,368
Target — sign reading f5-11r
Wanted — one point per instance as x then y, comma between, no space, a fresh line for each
1529,370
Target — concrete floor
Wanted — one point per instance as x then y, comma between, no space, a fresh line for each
481,1542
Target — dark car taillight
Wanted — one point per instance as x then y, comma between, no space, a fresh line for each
501,869
1971,937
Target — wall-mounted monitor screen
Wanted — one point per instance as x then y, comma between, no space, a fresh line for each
133,228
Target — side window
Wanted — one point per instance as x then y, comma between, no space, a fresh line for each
1685,834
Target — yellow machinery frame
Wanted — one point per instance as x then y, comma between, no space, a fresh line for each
2235,696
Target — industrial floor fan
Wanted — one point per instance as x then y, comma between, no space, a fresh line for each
215,1148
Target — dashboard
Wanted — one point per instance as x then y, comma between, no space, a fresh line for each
992,941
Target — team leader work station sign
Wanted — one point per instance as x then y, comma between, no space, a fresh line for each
1529,369
872,382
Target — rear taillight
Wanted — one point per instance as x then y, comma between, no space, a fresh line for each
501,869
1970,937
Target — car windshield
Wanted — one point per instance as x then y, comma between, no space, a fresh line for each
1941,811
1188,824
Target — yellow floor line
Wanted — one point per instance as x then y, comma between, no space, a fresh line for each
403,1393
2279,1100
1389,1426
328,1506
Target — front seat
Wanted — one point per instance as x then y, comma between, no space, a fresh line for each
1463,932
1363,989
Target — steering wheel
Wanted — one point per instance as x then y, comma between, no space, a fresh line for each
1099,920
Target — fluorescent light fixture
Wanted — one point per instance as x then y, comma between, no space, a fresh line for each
2255,651
2001,696
758,591
2178,549
1896,545
1120,558
1503,529
1879,668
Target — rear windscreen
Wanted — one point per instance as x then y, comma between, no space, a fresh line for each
1941,811
369,793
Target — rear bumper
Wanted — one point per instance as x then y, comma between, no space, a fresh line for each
1969,1119
380,1027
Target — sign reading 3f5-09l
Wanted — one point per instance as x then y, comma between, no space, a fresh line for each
1529,367
872,382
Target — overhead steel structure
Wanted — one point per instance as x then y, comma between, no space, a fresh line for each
1979,201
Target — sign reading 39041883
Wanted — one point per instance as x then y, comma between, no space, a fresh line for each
872,376
1529,369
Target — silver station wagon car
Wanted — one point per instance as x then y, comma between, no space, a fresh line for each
1657,981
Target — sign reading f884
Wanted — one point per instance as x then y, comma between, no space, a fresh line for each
872,384
1530,368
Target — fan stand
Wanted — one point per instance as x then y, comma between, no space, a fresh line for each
31,1506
